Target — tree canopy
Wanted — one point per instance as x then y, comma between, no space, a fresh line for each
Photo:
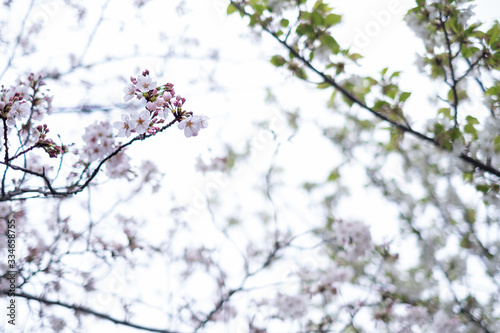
310,193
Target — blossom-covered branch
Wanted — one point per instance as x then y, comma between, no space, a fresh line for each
17,104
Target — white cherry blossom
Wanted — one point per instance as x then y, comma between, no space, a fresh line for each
124,126
145,84
140,121
129,92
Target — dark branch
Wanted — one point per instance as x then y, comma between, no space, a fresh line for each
86,310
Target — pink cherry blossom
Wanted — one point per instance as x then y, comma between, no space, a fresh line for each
123,126
20,109
129,92
203,120
118,165
98,140
145,84
11,121
190,126
140,121
167,95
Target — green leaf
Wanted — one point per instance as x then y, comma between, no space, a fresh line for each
259,8
471,120
483,188
331,43
497,143
309,186
253,21
284,23
323,85
468,177
395,74
453,25
384,71
304,29
333,176
396,138
311,56
355,56
391,93
465,242
455,134
468,52
332,19
469,128
300,73
496,60
470,215
493,33
491,91
278,60
317,19
445,112
379,105
231,9
404,96
331,100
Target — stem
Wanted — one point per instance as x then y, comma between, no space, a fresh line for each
6,158
453,84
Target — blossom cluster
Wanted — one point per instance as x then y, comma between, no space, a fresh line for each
290,306
47,144
25,101
14,104
99,141
160,101
278,6
325,282
354,237
424,22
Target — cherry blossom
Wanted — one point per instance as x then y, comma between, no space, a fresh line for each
20,109
129,91
291,306
192,125
118,165
140,121
355,237
203,121
160,103
98,140
145,84
124,126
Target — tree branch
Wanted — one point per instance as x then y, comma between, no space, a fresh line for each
476,163
87,311
453,83
75,188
